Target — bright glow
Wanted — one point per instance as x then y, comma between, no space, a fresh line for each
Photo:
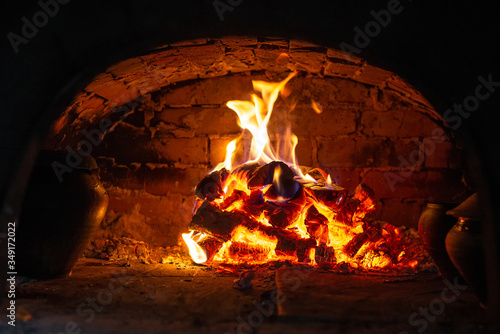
197,253
316,106
316,218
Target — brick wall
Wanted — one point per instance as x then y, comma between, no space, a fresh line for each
170,127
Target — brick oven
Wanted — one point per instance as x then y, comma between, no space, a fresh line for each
169,126
152,112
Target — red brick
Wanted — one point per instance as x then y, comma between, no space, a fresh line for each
338,54
160,180
405,152
240,60
381,123
212,121
126,177
373,75
410,185
348,178
210,91
218,150
399,212
181,150
441,154
303,151
113,90
164,218
356,152
417,124
350,91
445,185
440,186
341,70
239,41
335,152
126,144
311,61
202,55
402,123
333,121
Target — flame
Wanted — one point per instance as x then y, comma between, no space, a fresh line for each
317,217
316,106
230,148
197,253
254,116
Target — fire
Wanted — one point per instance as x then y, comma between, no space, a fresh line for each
265,209
197,253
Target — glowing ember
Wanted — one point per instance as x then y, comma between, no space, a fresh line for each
265,209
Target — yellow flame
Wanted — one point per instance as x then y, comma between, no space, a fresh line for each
308,177
197,253
254,116
227,164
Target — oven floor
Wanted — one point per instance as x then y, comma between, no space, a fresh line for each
117,297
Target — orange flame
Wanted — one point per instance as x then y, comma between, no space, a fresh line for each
197,253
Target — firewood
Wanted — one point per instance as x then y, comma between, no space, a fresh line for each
317,225
357,206
236,195
371,234
214,222
331,198
265,174
324,255
245,172
281,215
212,185
364,195
210,246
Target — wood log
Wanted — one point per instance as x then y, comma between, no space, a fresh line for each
212,185
245,172
317,225
324,255
211,246
236,195
265,174
371,234
334,198
214,222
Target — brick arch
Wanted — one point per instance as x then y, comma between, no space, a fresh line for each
170,126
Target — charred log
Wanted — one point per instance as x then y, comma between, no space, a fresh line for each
212,185
317,225
331,198
214,222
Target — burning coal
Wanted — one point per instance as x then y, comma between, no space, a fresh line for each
270,209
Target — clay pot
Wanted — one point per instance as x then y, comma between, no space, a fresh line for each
464,244
58,215
433,226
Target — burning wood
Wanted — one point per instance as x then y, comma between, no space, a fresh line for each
266,209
